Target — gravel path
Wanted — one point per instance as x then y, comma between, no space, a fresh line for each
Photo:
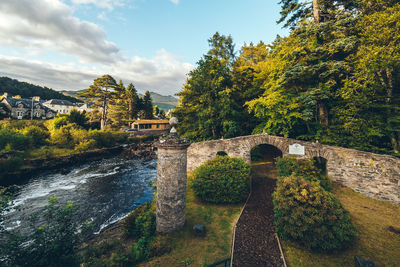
255,242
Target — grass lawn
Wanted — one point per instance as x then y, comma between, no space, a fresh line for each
375,242
197,251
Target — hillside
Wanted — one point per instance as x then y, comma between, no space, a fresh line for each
161,101
26,90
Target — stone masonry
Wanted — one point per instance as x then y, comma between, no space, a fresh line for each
373,175
171,183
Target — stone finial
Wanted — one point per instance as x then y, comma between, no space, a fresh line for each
173,122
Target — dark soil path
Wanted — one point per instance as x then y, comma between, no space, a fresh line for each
255,242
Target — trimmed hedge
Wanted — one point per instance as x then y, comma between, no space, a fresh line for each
311,216
222,180
305,168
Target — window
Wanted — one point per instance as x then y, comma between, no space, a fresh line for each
158,125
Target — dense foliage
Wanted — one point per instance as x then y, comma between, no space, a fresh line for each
27,90
139,225
141,222
221,180
306,213
211,103
64,134
116,104
334,79
53,243
305,210
305,168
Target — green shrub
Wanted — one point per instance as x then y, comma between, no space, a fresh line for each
57,122
141,223
311,216
305,168
80,118
85,145
54,243
285,166
38,135
62,137
222,180
14,140
102,138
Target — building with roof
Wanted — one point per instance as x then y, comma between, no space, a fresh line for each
61,106
21,108
148,125
84,107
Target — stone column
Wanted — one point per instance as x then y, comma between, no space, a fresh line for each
171,181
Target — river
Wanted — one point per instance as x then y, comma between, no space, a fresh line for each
105,191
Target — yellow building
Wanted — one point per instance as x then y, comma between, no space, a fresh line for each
148,125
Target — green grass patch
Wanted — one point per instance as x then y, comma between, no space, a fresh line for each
372,219
198,251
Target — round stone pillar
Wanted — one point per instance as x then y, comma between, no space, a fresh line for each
171,181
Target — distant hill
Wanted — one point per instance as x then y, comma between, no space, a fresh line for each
169,99
161,101
26,90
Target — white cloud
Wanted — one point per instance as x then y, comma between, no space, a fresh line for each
107,4
50,24
102,16
163,74
175,1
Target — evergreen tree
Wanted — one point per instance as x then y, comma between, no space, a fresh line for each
207,108
147,106
132,100
100,93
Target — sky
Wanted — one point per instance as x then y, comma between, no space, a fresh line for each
66,44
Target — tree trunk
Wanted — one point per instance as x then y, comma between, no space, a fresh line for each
316,11
130,110
103,122
389,95
323,114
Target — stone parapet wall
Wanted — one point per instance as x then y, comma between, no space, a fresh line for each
373,175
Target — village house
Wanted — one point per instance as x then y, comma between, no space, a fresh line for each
65,106
148,125
84,107
20,108
61,106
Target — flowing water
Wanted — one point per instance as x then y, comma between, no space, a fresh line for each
105,191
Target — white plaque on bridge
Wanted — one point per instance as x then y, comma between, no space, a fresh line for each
296,149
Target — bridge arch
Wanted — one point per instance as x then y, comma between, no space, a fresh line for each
371,174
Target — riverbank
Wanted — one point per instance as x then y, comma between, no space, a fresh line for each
181,248
32,167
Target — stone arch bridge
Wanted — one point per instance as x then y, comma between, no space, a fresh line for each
374,175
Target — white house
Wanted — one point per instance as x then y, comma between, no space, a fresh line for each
61,106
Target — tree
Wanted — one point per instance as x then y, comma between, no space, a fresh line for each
211,103
132,99
100,93
147,106
294,11
372,94
75,116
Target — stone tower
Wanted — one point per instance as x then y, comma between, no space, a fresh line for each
171,181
